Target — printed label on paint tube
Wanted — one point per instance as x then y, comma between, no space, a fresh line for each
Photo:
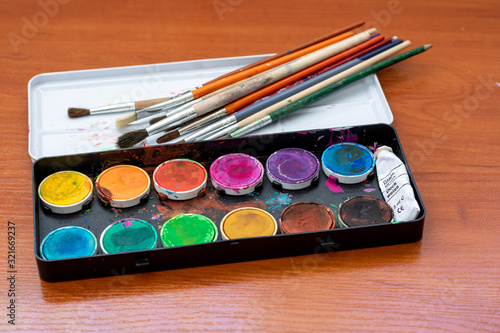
395,185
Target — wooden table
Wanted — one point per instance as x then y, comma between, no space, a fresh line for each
445,106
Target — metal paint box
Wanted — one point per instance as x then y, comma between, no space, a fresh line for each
215,206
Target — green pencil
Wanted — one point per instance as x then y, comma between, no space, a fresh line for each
313,97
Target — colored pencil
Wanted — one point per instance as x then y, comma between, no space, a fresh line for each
271,76
320,93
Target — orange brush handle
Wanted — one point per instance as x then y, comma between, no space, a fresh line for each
295,49
248,99
197,93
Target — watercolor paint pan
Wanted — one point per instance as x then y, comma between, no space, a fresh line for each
214,205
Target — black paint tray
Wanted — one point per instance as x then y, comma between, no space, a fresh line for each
215,206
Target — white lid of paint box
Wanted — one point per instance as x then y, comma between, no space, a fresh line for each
53,133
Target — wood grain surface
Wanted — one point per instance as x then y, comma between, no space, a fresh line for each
446,111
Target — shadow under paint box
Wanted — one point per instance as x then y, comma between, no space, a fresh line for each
123,186
128,235
68,242
65,192
180,179
306,216
248,222
349,162
188,229
364,210
236,174
292,168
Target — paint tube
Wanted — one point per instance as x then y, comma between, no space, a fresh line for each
395,185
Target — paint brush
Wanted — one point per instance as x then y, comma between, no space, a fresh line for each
171,112
271,76
117,107
132,117
324,91
208,88
234,76
212,132
74,112
307,91
295,49
192,125
286,83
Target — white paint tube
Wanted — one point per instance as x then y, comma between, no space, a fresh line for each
395,185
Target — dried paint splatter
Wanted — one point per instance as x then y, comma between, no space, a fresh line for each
280,199
369,189
332,184
156,216
345,136
162,211
335,212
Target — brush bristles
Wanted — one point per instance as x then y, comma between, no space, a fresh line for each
130,139
78,112
126,119
157,119
168,137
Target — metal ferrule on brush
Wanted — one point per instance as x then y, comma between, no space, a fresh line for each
210,128
118,107
177,100
251,127
172,121
207,119
222,132
184,106
143,113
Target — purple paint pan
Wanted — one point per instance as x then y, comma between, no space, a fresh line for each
292,168
236,174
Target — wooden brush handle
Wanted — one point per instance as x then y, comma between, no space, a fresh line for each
230,95
266,91
148,102
276,74
330,81
267,66
284,53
